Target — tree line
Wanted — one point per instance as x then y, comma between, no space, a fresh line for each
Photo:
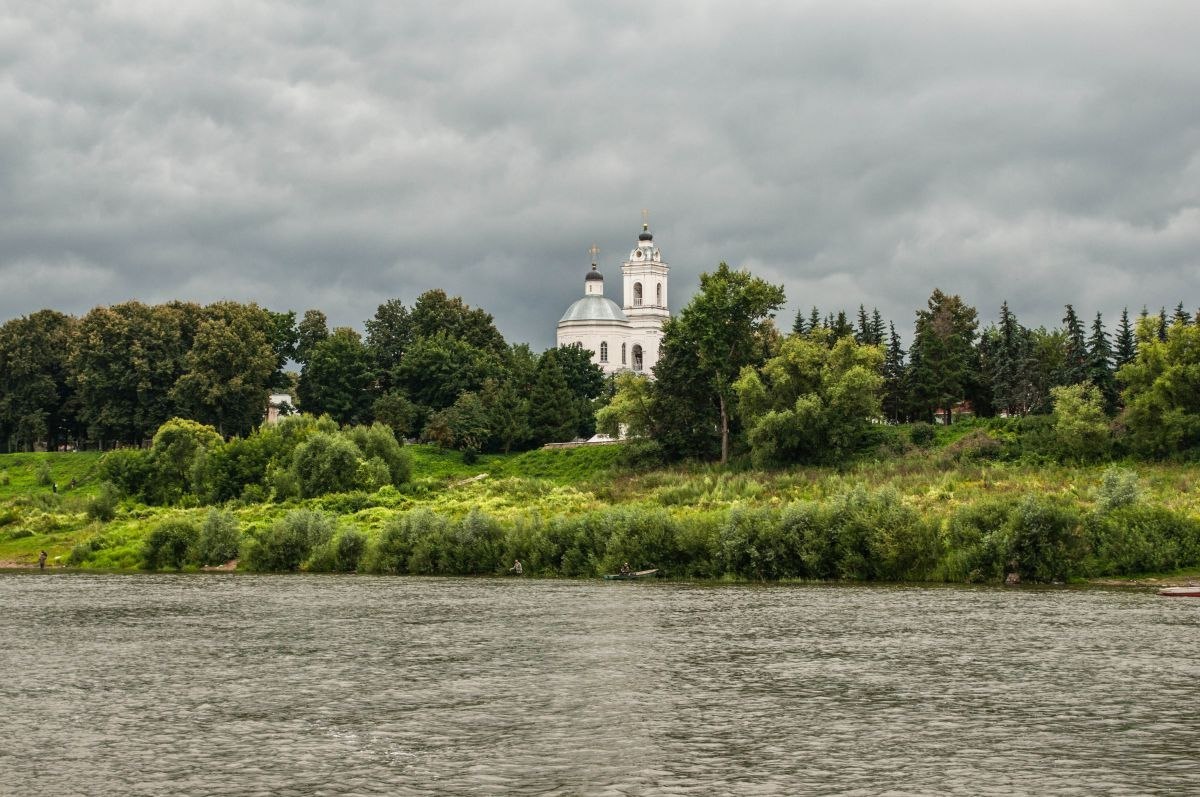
729,381
439,369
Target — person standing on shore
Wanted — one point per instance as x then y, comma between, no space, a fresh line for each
42,561
516,568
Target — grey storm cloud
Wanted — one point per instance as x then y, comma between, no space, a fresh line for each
337,155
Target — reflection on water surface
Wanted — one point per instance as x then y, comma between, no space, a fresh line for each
311,685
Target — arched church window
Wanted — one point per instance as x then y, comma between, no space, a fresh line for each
637,294
658,297
637,357
623,361
603,351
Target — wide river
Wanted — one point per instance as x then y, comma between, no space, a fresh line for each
326,685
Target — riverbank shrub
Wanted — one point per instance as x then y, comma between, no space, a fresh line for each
325,463
103,505
1118,487
288,542
219,538
170,544
1135,538
1043,540
340,554
973,543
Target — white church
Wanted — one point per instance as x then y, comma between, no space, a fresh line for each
622,338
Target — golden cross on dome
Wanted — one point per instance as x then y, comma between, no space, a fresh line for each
645,219
593,251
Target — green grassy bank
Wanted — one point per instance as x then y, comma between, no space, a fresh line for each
923,514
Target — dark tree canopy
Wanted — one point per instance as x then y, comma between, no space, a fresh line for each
337,378
945,360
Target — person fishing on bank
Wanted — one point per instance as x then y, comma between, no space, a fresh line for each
516,568
42,561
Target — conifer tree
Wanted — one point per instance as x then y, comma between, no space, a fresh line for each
895,398
1181,316
1010,378
945,363
1075,353
1126,349
798,325
1162,324
862,335
877,327
552,407
841,327
814,319
1100,370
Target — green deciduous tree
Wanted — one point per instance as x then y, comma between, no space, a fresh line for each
36,398
434,313
1081,427
312,329
229,368
1162,390
729,324
125,363
389,334
337,378
176,457
811,401
630,409
326,463
438,368
585,380
462,426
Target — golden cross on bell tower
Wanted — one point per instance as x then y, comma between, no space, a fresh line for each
593,250
645,219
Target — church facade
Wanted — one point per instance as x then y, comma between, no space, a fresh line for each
622,337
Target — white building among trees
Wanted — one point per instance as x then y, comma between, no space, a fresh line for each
622,338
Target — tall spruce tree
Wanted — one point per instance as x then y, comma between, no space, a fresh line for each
1075,354
1126,348
814,319
863,333
944,359
799,327
841,327
1181,316
877,330
1163,324
1100,365
552,406
1010,365
895,385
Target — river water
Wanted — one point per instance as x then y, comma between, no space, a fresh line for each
315,685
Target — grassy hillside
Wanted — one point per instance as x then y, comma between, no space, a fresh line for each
23,474
527,491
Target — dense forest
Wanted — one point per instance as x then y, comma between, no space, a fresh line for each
439,370
729,381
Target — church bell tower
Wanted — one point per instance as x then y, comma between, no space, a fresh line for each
645,278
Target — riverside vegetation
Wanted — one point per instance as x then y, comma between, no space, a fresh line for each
968,503
828,468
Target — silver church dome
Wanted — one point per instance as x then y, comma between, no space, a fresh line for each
594,308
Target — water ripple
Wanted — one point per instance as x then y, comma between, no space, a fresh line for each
245,685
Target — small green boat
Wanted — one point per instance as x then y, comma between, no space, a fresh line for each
629,576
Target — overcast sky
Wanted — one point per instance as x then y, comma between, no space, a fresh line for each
335,155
